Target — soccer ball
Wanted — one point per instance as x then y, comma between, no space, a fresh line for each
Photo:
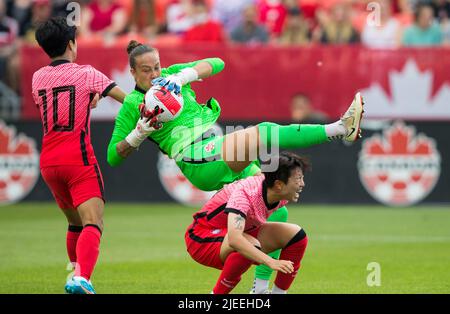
168,103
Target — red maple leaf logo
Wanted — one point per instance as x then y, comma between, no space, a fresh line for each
399,140
12,144
209,148
19,163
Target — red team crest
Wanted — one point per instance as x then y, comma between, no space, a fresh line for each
399,168
19,165
209,147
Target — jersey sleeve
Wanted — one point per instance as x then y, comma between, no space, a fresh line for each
98,82
125,122
217,65
238,203
34,92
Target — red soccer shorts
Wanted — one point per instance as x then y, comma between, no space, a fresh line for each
203,243
73,185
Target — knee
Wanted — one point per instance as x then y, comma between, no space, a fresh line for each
98,223
299,237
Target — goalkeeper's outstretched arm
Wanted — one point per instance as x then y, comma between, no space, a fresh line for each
209,67
205,67
178,75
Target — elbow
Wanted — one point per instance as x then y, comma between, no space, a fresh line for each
111,162
220,65
220,62
113,158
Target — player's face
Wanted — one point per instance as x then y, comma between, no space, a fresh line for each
147,68
294,186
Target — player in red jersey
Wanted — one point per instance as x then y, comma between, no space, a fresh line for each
64,93
231,231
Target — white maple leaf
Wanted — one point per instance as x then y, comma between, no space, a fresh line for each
411,96
108,108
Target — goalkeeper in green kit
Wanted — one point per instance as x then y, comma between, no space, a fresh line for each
209,162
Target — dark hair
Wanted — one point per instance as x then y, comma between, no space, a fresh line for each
287,163
295,11
54,36
419,8
135,49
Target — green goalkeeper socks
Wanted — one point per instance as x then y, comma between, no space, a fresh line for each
262,271
292,136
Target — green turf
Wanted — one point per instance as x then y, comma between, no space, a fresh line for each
143,250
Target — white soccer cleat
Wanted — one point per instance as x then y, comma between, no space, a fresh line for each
352,119
267,291
253,289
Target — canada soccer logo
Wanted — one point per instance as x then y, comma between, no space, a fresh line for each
399,168
176,184
210,147
19,165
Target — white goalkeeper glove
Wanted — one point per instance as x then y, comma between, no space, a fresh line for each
146,125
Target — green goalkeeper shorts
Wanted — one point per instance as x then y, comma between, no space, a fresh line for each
202,164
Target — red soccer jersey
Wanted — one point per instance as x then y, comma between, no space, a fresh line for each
63,91
247,197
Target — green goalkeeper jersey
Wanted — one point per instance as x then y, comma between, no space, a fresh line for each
194,120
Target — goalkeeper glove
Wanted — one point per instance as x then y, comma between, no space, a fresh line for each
176,81
146,125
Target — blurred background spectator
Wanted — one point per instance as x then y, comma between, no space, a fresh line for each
336,27
229,12
296,30
250,31
105,18
272,14
203,28
425,31
143,18
302,110
385,35
442,14
9,61
20,11
41,10
288,22
178,16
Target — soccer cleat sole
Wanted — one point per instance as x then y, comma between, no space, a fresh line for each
357,129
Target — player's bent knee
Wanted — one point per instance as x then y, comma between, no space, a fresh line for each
96,226
299,236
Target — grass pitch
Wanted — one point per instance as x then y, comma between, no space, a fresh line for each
143,250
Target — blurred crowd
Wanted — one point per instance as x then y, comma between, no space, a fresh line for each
375,24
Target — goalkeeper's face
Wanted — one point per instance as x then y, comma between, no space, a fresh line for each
147,68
